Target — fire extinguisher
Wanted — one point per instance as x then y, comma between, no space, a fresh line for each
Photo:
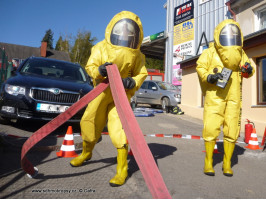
248,130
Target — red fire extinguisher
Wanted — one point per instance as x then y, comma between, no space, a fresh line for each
248,130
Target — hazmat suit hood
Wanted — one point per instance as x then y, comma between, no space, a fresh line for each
132,19
228,41
120,49
125,57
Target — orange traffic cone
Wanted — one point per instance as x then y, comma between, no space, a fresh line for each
68,147
253,143
130,153
216,149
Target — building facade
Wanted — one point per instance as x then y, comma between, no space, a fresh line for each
251,15
189,27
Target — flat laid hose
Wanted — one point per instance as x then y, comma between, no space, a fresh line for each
142,153
55,123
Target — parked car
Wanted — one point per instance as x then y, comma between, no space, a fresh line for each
41,88
157,93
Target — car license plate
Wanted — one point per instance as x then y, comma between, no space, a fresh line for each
51,108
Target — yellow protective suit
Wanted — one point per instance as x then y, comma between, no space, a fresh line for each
222,106
131,63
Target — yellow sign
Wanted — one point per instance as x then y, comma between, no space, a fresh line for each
184,32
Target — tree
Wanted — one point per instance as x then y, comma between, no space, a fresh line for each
59,45
63,45
81,50
152,63
48,37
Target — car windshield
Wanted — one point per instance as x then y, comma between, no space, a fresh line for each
166,86
54,69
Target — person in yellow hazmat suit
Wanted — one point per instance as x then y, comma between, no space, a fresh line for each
220,69
121,46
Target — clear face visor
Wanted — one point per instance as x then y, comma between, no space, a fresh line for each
230,36
125,33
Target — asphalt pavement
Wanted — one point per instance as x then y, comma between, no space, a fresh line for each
180,161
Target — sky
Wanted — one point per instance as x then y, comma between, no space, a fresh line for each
25,22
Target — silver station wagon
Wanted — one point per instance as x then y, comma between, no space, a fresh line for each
157,93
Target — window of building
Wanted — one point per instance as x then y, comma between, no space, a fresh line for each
260,18
261,81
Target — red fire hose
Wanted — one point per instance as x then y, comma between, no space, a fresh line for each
54,124
135,137
142,154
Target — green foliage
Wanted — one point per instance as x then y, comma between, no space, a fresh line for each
62,45
58,45
81,50
48,37
78,47
152,63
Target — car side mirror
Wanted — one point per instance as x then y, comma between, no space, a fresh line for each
154,88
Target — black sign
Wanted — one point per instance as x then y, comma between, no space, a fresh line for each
184,12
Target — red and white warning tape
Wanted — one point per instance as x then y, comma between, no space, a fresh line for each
196,137
175,136
193,137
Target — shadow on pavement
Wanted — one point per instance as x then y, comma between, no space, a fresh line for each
11,145
158,151
10,165
43,177
218,157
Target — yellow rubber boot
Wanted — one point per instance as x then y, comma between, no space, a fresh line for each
84,156
208,168
228,152
121,169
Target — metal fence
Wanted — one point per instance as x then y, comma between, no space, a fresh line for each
5,67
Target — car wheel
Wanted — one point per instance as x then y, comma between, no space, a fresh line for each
165,103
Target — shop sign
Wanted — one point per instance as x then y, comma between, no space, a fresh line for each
184,12
177,75
184,32
153,37
183,50
157,36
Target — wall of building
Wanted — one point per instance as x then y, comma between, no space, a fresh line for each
191,102
191,93
251,110
206,17
245,15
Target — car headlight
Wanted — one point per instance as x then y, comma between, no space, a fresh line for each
177,95
14,90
